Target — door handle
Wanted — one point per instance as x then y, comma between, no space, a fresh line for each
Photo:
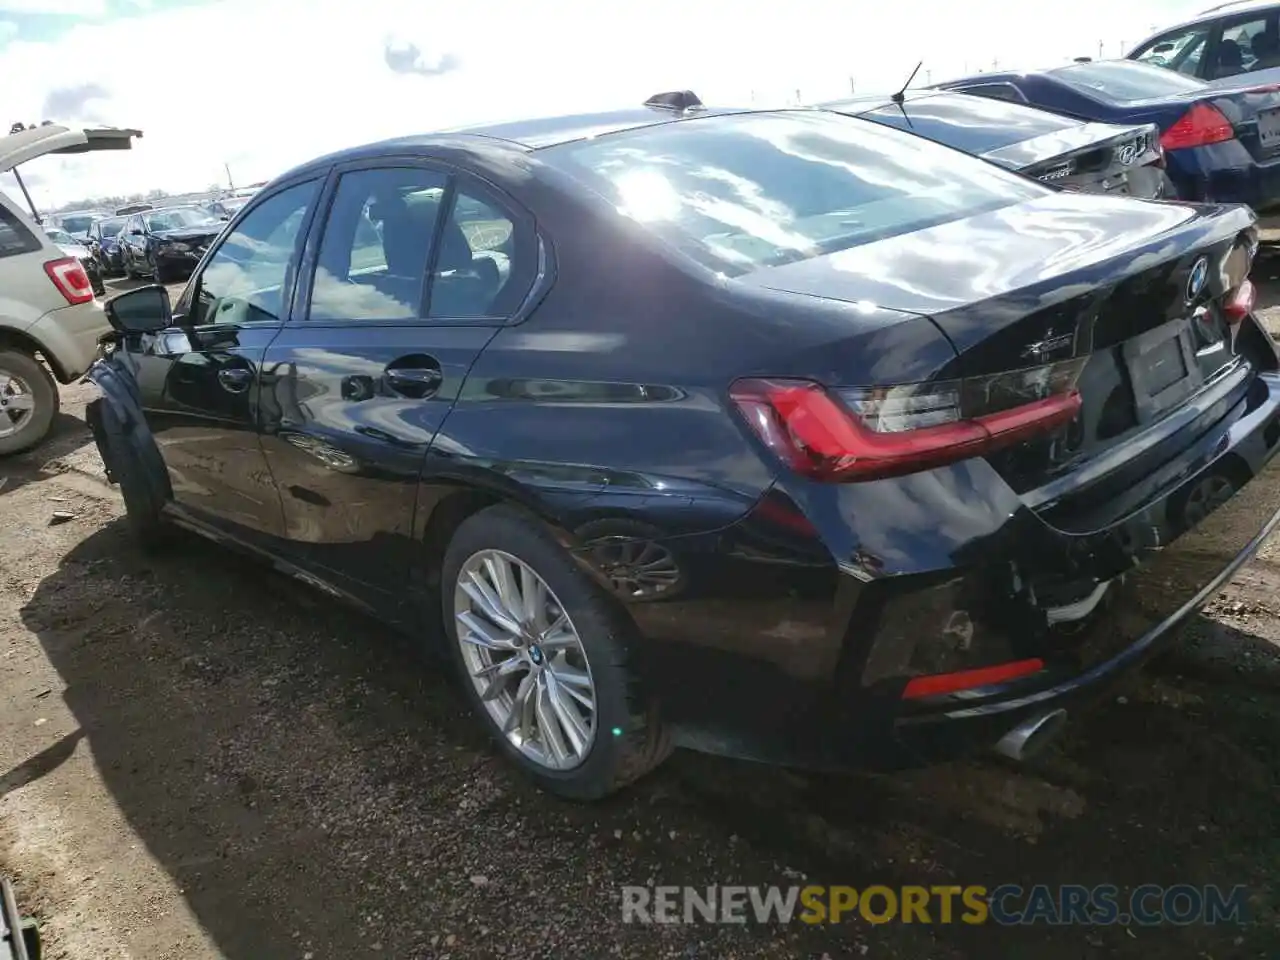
235,379
417,383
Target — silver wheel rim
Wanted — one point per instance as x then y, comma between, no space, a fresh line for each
637,568
17,404
525,658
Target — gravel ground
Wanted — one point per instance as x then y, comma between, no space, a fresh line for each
200,759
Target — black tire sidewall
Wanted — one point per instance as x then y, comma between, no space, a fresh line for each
47,401
142,502
605,638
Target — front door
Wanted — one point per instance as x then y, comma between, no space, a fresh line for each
199,379
362,380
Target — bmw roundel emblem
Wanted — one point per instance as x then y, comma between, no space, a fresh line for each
1196,281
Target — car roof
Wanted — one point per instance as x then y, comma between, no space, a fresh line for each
520,136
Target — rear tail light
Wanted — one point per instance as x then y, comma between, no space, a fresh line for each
869,433
1198,127
69,277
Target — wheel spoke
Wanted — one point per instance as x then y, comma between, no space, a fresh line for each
518,720
499,675
533,594
561,639
480,635
508,596
549,725
571,676
20,401
568,717
490,605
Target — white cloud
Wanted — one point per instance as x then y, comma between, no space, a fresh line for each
8,30
271,83
64,8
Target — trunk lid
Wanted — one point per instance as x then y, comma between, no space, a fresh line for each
1128,290
18,148
1094,157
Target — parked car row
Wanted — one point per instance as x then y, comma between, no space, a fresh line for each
788,434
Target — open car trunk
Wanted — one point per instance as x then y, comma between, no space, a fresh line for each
18,148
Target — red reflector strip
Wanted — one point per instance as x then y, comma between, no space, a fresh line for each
1240,302
939,683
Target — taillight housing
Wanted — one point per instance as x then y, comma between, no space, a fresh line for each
1200,126
69,276
869,433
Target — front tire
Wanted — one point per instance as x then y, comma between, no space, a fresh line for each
143,500
542,656
28,401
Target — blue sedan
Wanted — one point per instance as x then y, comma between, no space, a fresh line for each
1221,144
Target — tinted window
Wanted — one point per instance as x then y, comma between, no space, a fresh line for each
377,239
75,224
245,277
996,91
1248,45
971,124
1180,50
14,237
1124,80
474,268
753,190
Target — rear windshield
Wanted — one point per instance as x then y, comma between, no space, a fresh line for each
1125,81
972,124
745,191
76,224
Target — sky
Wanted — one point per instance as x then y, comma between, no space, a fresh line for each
261,85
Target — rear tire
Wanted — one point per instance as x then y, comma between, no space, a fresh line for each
25,380
627,737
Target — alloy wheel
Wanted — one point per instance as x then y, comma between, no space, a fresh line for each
638,569
17,404
525,658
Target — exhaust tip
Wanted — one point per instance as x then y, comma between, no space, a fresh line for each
1031,736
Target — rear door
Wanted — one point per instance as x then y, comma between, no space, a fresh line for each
355,388
198,379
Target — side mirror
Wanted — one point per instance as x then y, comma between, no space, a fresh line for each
225,216
144,310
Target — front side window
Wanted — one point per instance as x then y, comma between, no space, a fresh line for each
1180,50
376,243
244,280
746,191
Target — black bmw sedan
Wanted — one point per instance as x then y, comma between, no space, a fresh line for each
780,434
166,244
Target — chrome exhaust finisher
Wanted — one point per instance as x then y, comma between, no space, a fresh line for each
1031,736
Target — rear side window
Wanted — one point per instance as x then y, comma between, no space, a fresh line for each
376,244
972,124
1124,81
754,190
15,238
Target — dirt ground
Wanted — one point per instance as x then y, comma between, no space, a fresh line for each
201,759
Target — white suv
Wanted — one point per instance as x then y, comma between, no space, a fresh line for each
47,307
